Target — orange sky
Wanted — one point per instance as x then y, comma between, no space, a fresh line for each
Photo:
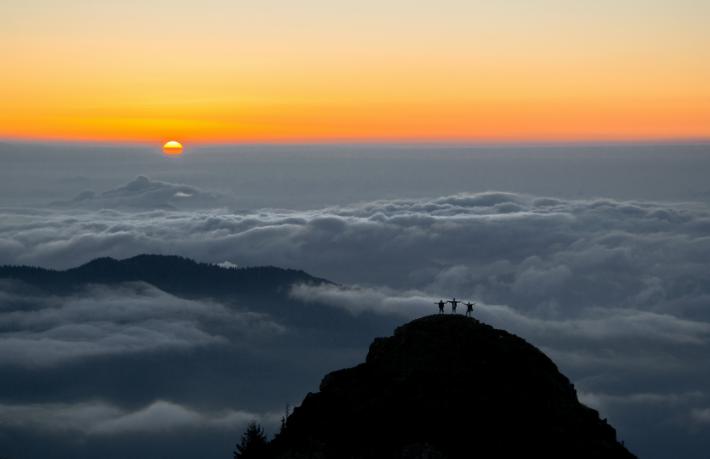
216,70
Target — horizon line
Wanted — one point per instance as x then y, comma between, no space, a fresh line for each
473,142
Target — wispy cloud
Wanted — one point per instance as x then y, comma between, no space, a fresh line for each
536,253
101,321
596,338
100,418
615,291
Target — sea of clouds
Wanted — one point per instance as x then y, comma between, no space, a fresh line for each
615,291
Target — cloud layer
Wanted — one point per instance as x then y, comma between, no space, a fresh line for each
615,291
104,321
100,418
534,253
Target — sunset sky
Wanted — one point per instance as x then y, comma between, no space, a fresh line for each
547,160
316,70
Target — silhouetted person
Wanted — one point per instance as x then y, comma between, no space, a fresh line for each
454,302
441,304
469,308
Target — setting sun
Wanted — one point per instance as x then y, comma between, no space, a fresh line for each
172,147
207,206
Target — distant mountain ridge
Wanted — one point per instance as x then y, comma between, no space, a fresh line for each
168,272
262,289
142,193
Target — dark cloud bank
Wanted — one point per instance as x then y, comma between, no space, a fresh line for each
616,292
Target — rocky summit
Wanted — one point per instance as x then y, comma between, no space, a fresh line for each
447,386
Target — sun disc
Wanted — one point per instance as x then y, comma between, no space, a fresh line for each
172,147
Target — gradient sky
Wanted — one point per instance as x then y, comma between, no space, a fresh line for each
218,70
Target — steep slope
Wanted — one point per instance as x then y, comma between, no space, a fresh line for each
447,387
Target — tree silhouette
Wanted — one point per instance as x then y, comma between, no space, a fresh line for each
253,444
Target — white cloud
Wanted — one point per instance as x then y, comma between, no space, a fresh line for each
227,265
128,318
357,300
98,418
603,401
701,415
615,291
505,248
563,273
595,324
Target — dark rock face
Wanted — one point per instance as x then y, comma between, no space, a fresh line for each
447,387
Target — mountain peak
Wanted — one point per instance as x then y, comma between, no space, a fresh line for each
440,343
448,386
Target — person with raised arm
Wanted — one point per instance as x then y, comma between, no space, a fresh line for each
441,305
469,308
454,302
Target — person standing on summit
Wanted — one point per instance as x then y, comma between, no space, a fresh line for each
454,302
441,305
469,308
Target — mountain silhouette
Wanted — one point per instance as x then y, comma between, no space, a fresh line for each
447,386
143,193
263,289
170,273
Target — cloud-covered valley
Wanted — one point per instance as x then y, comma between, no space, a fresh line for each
616,291
101,418
553,256
41,330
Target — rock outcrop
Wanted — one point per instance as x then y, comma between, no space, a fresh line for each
447,386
